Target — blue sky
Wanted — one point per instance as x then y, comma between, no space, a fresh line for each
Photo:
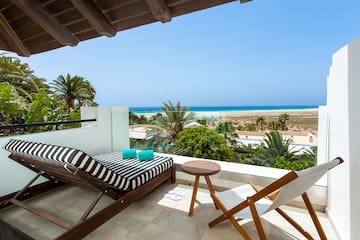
260,53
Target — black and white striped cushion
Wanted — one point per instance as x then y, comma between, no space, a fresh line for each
103,167
133,172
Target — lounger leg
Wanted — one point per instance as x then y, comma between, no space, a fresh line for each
313,216
28,185
173,175
91,207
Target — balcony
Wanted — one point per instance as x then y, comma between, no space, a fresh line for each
337,195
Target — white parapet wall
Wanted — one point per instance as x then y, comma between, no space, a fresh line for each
110,132
343,105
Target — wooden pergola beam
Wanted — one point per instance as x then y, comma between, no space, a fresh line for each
159,10
11,38
34,10
95,17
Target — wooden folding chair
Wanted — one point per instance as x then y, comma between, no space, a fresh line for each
248,202
72,166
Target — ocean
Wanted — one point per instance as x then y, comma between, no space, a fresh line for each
144,110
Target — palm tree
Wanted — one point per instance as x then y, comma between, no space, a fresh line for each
74,88
260,121
21,77
276,146
228,131
311,154
174,118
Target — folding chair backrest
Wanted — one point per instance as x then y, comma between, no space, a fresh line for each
306,179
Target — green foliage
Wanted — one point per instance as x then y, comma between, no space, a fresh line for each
21,77
26,98
204,142
228,131
250,127
155,118
40,108
276,146
11,105
174,118
311,154
260,122
282,162
135,119
274,125
202,122
74,88
283,119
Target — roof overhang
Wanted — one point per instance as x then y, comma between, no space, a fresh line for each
34,26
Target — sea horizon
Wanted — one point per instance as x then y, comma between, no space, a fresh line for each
146,110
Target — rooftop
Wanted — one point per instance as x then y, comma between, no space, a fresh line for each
149,217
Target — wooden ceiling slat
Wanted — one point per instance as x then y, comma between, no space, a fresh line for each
33,9
12,38
159,10
134,21
192,6
95,17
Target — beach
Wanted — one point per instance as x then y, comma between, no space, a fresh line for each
300,120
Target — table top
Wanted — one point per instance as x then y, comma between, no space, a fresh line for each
200,167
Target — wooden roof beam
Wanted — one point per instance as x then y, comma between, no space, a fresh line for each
245,1
95,17
34,10
11,38
159,10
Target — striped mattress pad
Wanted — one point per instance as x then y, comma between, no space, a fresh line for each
133,172
125,175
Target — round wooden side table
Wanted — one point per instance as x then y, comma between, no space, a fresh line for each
200,168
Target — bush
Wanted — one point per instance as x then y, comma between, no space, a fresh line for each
204,142
281,162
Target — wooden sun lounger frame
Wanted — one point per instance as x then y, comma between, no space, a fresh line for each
59,173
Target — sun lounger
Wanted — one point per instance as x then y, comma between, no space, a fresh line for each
125,181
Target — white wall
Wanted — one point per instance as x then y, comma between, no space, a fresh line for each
104,135
120,126
343,100
354,130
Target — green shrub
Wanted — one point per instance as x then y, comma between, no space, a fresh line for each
281,162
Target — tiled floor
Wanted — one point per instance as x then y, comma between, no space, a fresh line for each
154,217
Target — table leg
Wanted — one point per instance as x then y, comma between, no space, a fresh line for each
193,199
211,188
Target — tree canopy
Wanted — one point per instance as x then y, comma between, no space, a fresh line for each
173,119
203,142
74,88
26,98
